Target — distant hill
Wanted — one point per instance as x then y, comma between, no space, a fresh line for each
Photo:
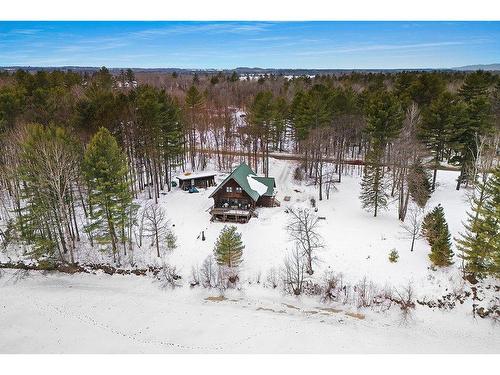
493,67
239,70
254,70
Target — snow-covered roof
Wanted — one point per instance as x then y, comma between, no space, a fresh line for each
255,185
252,184
195,175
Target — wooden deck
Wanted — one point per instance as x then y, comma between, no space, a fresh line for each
234,215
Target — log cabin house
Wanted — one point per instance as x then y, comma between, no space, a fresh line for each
236,198
199,180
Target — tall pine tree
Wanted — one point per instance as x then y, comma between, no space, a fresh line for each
373,185
193,103
419,185
476,120
384,117
260,117
110,198
435,229
437,126
229,248
480,243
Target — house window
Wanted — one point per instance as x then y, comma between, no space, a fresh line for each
238,189
229,189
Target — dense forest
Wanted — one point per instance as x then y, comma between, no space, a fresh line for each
87,144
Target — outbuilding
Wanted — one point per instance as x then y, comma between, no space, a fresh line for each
196,179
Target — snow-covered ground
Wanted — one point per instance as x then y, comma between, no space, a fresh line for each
100,313
356,243
59,313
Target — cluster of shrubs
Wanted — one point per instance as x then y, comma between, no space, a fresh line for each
333,288
211,274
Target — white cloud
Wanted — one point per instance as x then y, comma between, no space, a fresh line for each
382,47
195,28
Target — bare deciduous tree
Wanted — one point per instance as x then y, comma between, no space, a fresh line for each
49,165
405,298
485,156
406,153
208,272
413,223
168,276
272,278
365,292
303,229
156,225
139,232
294,272
195,276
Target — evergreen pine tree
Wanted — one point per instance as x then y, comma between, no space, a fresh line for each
194,98
426,88
475,120
384,117
234,77
419,185
428,228
172,138
373,185
280,117
110,198
311,110
438,236
298,116
260,118
10,107
393,256
49,163
229,248
480,243
437,127
193,102
130,75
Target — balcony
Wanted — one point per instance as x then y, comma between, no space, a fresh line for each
236,215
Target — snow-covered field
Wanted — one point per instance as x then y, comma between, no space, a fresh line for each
83,313
127,314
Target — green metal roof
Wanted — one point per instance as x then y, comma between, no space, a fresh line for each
241,174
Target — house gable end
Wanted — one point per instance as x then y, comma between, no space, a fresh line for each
240,175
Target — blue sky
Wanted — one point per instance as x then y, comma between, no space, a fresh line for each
348,45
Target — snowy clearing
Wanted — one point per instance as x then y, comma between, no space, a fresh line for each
85,313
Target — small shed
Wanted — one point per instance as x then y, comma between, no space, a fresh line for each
196,179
